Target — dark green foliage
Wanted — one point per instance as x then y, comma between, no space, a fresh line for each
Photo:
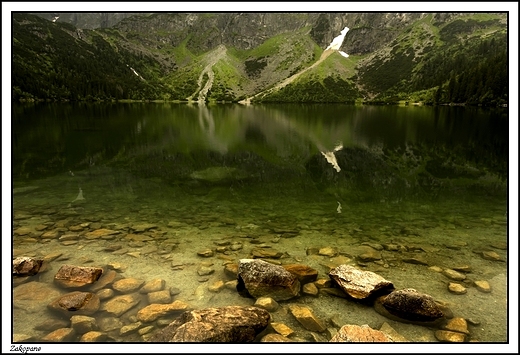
382,75
50,64
451,31
254,66
452,63
332,89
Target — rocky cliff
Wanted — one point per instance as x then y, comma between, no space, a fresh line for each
235,56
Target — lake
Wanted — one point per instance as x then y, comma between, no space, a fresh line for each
183,191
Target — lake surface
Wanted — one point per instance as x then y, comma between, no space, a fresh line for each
420,189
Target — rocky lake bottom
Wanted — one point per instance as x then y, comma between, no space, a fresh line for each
453,250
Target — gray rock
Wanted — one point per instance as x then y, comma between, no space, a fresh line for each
258,278
232,324
359,284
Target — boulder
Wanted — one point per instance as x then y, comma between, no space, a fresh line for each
351,333
359,284
410,305
258,278
81,303
69,276
232,324
25,266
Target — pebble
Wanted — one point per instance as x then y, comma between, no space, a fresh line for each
454,275
491,255
483,286
450,337
216,286
456,288
206,253
457,325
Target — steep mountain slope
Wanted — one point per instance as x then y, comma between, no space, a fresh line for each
266,57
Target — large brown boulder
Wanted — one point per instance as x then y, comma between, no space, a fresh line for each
70,276
81,303
232,324
359,284
410,305
258,278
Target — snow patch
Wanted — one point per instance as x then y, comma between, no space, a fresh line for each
338,41
136,73
331,158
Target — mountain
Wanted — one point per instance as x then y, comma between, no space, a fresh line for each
86,20
432,58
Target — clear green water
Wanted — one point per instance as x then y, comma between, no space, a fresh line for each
431,180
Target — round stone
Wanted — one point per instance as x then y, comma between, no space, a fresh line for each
483,286
456,288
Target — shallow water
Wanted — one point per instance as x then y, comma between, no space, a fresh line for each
285,177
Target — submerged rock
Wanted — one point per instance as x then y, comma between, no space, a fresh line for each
81,303
307,319
120,304
351,333
447,336
359,284
25,266
232,324
408,304
70,276
153,311
258,278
